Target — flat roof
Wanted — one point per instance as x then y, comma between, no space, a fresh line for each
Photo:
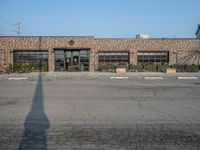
162,38
47,36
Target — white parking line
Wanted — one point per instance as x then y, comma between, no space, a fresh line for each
184,78
153,78
22,78
118,77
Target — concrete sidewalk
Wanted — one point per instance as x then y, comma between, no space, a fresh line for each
100,75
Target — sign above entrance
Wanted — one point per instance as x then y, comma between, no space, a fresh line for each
71,42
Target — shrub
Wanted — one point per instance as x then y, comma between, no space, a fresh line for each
192,68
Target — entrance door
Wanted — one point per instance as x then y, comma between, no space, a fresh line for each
72,60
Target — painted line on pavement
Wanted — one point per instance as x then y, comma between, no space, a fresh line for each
153,78
184,78
22,78
118,77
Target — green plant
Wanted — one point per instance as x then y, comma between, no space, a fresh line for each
122,64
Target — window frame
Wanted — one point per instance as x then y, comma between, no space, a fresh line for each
113,57
31,57
152,57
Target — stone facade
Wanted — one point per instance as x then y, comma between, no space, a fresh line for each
179,49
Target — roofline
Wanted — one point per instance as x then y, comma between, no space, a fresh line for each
146,39
114,38
102,38
45,36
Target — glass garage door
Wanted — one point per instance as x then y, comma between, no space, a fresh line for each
30,60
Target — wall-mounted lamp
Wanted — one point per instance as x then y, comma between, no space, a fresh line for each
52,51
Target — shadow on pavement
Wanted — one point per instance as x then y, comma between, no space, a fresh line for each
36,123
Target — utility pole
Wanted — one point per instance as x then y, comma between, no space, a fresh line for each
18,29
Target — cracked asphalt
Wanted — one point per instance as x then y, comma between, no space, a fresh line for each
99,114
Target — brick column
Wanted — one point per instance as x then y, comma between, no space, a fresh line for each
173,57
133,57
92,60
51,60
8,57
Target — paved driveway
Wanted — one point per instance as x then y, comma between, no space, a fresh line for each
100,114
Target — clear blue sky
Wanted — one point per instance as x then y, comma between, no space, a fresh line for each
102,18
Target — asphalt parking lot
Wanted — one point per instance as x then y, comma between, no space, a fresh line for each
105,114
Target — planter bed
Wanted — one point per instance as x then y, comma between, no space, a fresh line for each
122,66
180,68
163,68
192,68
151,68
136,68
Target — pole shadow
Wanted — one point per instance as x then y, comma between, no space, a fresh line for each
36,123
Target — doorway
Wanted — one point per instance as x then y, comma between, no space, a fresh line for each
72,60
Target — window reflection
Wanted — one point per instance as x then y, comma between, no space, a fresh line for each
71,60
153,57
114,57
30,60
108,60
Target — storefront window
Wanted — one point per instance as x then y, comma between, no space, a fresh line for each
71,60
153,57
30,60
111,59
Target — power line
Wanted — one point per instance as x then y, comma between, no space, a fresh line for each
1,30
9,26
28,31
7,20
13,26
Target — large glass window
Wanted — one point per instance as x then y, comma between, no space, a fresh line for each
84,60
72,60
108,60
59,60
30,60
113,57
153,57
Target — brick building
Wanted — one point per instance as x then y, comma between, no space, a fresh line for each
64,53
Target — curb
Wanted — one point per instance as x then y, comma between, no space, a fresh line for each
186,78
18,78
110,76
153,78
119,78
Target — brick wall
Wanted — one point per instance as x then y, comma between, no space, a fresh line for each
49,43
179,49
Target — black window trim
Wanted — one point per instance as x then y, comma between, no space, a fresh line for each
142,60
